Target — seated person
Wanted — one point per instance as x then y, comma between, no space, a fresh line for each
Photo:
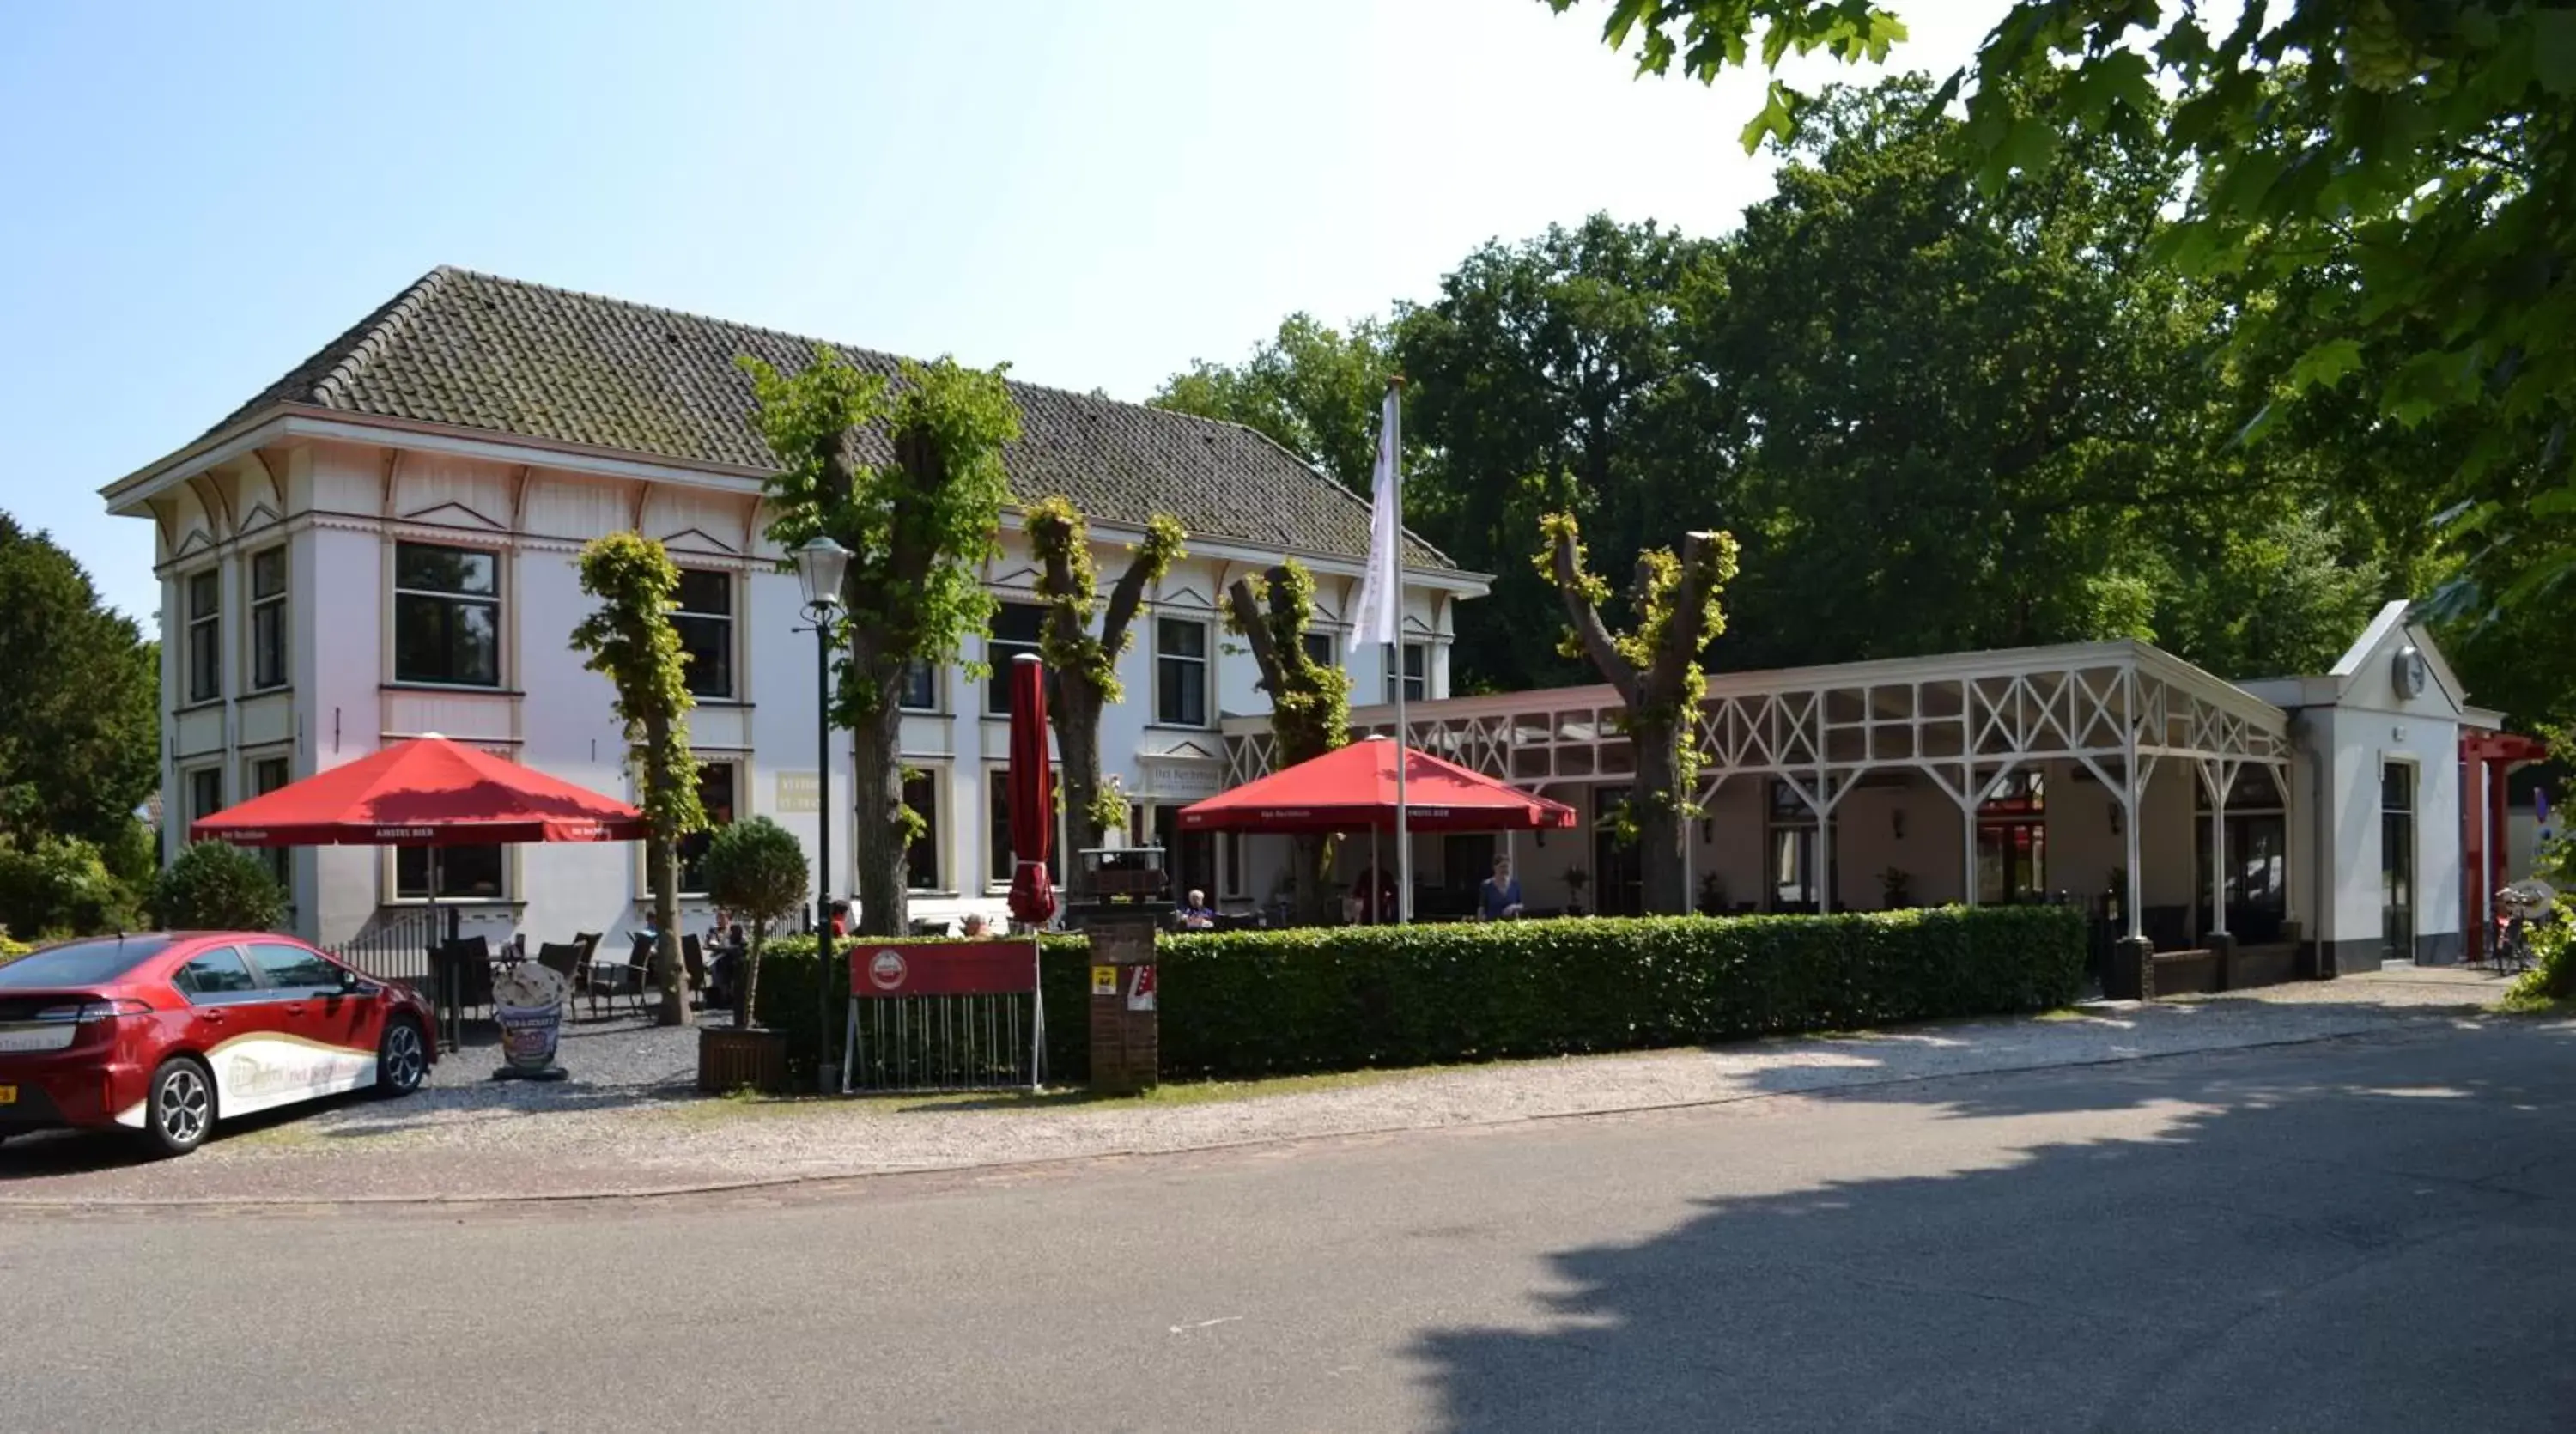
974,927
1382,884
1196,914
1498,897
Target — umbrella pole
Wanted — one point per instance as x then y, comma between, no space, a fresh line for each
1376,875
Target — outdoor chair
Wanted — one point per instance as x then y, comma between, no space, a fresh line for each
613,981
564,959
465,965
693,960
588,941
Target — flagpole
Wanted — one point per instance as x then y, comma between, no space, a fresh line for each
1403,808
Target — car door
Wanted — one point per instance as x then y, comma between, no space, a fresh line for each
233,1024
316,1050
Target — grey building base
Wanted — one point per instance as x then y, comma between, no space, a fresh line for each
2354,958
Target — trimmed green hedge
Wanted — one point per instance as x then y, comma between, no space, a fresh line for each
1257,1003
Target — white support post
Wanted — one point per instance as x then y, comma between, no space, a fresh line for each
1968,851
2217,856
2132,789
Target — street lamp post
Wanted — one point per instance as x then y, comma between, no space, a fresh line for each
819,565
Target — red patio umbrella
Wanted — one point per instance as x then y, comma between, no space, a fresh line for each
1032,795
425,792
1353,789
428,791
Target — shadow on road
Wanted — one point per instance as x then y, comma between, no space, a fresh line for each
2348,1235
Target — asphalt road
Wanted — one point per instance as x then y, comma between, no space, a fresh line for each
2359,1235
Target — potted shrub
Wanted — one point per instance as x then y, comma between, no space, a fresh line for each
1896,887
1576,878
754,867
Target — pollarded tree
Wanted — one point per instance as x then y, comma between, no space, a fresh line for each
1656,669
631,641
755,867
1085,666
1310,701
919,529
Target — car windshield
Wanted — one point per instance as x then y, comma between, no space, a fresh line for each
81,963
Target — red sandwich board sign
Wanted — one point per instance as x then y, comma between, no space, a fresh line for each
950,990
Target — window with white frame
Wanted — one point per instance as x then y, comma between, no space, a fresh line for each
718,783
703,618
920,687
465,873
447,615
1015,630
1180,672
267,774
205,794
1417,672
205,649
268,619
921,859
997,834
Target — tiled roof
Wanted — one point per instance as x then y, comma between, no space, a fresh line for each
475,351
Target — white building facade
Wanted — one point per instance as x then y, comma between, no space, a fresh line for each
384,545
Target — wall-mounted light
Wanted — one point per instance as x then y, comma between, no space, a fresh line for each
1896,822
2115,818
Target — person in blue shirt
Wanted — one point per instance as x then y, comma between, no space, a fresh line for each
1498,897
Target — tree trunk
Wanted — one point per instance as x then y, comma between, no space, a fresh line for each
1311,875
742,999
876,779
1077,735
1656,809
664,855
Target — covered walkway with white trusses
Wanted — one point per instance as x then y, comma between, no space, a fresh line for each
2114,774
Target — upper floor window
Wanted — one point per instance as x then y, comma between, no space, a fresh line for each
205,649
920,688
1319,648
268,619
447,615
1180,672
1417,672
205,794
704,620
1015,630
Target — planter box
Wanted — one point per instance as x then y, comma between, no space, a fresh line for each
728,1060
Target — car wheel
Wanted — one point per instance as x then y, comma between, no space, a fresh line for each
181,1112
401,1060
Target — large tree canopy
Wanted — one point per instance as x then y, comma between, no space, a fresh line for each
2385,185
80,723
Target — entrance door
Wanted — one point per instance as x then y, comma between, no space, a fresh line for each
1618,878
2397,861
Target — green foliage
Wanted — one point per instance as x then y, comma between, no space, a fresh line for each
1310,701
12,948
631,639
213,886
1561,374
2383,187
2552,976
80,721
1083,665
1256,1003
919,529
1313,390
60,886
756,868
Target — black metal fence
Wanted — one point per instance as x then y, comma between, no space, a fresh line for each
942,1043
393,947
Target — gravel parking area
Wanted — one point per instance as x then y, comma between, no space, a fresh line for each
628,1121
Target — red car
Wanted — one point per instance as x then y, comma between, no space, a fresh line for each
167,1033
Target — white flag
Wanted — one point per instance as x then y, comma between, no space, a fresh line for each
1380,614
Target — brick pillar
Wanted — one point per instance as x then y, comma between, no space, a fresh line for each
2131,974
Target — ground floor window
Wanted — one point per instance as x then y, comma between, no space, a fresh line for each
2012,840
997,831
921,859
1188,857
465,873
267,774
1618,877
718,782
2258,859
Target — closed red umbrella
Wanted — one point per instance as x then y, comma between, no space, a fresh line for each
1032,795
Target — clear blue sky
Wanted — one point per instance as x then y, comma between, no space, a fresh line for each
197,196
